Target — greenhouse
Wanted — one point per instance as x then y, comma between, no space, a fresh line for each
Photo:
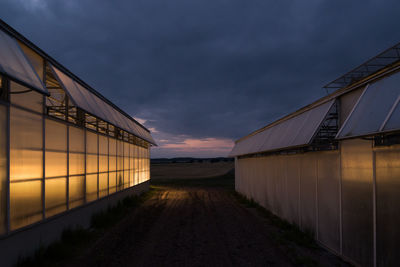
62,144
333,167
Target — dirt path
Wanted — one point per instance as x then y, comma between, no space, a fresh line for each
182,226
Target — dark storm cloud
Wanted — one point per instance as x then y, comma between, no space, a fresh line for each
210,68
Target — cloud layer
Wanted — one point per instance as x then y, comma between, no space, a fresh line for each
207,71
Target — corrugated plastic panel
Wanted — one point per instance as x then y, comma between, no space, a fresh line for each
89,102
373,108
14,63
296,131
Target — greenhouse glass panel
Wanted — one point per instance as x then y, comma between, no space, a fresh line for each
91,142
76,191
103,145
25,203
91,103
14,63
113,163
56,164
26,146
35,59
55,196
76,163
373,108
91,187
24,97
296,131
103,163
393,122
76,139
56,135
112,182
3,168
103,185
120,180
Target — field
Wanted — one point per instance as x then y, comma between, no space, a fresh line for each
192,217
189,170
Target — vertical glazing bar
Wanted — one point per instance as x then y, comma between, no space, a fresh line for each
316,200
374,204
299,181
340,204
85,151
108,163
44,156
6,85
98,164
67,167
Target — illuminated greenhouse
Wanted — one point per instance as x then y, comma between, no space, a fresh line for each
62,144
333,167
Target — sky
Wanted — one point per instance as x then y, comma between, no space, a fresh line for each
201,74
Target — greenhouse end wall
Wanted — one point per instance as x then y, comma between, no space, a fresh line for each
349,198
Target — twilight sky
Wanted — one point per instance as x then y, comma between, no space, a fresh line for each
202,73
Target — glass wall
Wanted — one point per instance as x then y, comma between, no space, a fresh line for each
26,156
60,156
56,171
3,168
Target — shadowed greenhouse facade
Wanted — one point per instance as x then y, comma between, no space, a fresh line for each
333,167
62,144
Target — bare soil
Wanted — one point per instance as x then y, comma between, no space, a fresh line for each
187,224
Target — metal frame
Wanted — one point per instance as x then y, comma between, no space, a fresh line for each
387,58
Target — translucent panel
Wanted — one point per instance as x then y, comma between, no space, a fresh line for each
55,196
55,164
387,209
103,185
91,187
356,161
25,203
76,163
26,156
347,103
295,131
86,100
91,164
76,191
328,199
120,148
3,168
308,190
126,149
131,178
24,97
120,180
103,145
113,163
112,182
120,163
14,63
56,135
112,146
91,142
103,163
126,179
393,122
37,62
76,139
373,108
126,164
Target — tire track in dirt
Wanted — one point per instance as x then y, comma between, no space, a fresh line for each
189,226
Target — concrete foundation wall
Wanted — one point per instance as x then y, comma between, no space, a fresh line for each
25,241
